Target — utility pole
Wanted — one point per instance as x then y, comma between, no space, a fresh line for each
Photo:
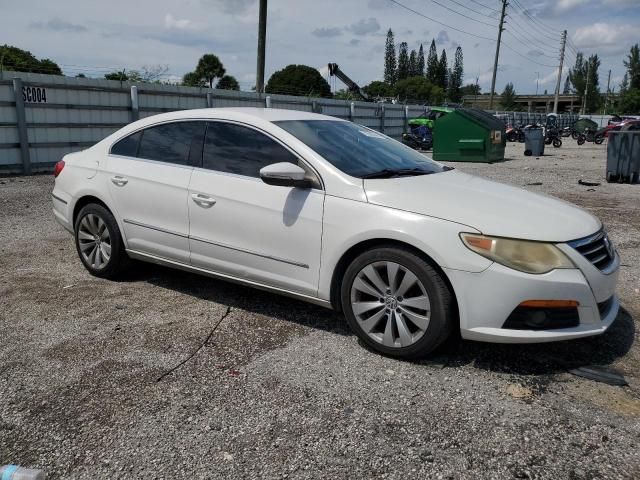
586,89
495,63
606,100
563,43
537,81
262,35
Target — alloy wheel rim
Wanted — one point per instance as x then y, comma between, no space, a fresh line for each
390,304
94,241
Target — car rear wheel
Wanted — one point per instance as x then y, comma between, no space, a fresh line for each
99,243
396,302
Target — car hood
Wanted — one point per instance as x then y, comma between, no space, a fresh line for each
490,207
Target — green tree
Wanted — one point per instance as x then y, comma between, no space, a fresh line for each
420,62
403,62
594,99
18,60
210,67
390,66
418,90
629,100
378,89
632,63
192,79
121,76
298,80
470,89
432,64
508,98
413,63
456,75
443,70
228,82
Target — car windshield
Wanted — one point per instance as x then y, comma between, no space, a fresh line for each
359,151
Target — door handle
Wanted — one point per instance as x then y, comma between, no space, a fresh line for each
119,181
203,200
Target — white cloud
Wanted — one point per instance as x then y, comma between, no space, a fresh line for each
605,35
563,6
171,22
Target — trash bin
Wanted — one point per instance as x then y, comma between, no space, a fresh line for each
469,135
623,156
533,141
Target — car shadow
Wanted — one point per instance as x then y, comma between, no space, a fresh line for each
542,358
518,359
238,296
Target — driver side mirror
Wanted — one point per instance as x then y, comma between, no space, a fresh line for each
285,174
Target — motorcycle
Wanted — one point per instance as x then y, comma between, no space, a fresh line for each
552,136
515,134
591,135
567,131
419,138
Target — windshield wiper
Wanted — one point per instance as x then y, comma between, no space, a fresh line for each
396,172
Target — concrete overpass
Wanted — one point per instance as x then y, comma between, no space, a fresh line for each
529,103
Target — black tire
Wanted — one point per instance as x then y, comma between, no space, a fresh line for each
442,304
581,140
118,260
575,135
598,139
557,143
511,137
548,140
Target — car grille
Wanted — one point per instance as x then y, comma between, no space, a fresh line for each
597,248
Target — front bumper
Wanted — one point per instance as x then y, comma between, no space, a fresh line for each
486,299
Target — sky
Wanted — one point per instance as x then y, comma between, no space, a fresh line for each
94,37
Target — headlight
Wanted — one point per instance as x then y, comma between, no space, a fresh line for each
522,255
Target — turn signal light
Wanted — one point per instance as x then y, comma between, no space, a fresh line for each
58,168
550,304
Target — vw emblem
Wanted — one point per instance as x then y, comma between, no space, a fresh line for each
391,302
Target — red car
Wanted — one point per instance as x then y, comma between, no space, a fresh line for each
634,124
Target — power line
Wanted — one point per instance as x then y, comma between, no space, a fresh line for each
485,6
439,22
527,57
524,42
474,11
529,20
463,15
535,20
525,34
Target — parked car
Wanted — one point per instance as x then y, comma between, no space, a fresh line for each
339,215
631,124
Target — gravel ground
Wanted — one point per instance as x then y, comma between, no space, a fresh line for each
281,389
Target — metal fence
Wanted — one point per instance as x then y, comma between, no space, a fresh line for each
44,117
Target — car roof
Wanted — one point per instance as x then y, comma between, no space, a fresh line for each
241,113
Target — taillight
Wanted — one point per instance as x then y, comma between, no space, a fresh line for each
58,168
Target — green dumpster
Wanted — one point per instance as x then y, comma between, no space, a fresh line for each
469,135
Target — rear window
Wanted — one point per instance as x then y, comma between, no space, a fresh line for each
128,146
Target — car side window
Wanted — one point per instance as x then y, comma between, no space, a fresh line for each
128,146
178,143
241,150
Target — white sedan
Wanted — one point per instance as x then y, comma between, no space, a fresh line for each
334,213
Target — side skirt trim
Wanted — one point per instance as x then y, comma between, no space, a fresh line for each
222,276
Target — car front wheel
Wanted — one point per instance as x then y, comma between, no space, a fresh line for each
397,303
99,243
